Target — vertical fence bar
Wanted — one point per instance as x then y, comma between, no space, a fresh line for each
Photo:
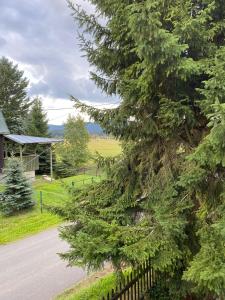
131,279
135,285
116,292
112,294
144,267
120,289
138,287
147,266
41,202
150,268
150,277
141,279
128,290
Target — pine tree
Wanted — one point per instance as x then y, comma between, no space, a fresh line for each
17,194
37,125
165,196
14,101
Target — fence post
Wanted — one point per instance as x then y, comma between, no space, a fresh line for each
41,202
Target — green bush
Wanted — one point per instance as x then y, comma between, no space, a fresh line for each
63,169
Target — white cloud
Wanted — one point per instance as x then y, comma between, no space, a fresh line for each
40,36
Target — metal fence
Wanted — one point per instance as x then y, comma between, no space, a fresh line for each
44,198
139,285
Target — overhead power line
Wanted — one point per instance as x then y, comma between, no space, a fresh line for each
68,108
62,108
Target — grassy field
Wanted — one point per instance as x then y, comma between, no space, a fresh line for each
32,221
106,147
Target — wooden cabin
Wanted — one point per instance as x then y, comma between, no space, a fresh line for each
23,147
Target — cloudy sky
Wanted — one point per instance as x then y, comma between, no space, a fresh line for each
41,37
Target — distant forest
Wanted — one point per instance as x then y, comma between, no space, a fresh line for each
93,129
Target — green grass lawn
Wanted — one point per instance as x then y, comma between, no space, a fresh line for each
33,221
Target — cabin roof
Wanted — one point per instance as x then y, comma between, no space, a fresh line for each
3,127
25,139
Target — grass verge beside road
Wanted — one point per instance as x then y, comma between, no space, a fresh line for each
92,288
33,221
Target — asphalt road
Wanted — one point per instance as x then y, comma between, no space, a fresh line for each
31,269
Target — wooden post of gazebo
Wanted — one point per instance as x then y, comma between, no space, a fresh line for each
21,154
3,130
1,153
51,164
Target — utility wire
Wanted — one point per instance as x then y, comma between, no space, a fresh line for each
67,108
59,117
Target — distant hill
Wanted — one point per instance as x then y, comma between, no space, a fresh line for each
92,128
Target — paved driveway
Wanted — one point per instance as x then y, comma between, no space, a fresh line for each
30,269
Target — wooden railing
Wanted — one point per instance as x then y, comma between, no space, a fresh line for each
29,162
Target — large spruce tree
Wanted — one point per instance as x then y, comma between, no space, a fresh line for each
14,101
165,196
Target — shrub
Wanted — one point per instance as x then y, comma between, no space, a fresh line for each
18,191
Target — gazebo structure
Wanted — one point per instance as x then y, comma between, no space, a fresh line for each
13,144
